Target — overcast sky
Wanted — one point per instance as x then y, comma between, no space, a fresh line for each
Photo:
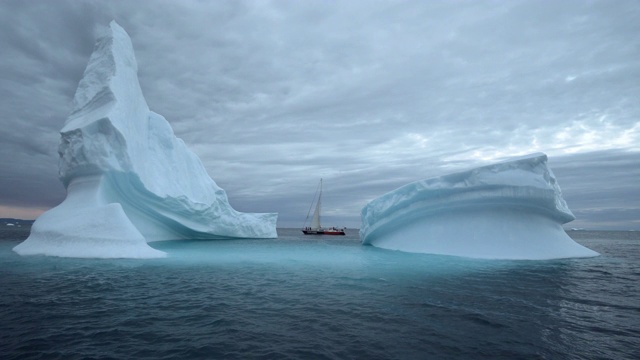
369,95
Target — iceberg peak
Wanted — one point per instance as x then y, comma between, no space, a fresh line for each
129,179
112,71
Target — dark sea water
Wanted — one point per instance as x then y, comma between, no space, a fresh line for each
320,298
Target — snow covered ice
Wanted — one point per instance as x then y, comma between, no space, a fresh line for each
509,210
129,179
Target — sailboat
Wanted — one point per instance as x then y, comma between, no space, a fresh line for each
316,228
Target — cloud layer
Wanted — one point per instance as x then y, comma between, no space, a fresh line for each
370,95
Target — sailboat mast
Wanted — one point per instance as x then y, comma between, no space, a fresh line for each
319,204
316,227
315,221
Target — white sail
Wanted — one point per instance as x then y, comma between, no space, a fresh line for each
316,228
315,222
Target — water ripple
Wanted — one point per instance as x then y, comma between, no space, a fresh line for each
296,299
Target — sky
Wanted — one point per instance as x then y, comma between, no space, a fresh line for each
368,95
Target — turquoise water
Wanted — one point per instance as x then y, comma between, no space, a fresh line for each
304,297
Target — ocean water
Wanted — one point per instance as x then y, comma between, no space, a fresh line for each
301,297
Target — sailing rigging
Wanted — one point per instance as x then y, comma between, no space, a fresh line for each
316,227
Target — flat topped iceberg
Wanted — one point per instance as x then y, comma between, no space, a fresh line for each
509,210
129,179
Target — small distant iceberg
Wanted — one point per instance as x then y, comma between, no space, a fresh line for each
129,179
509,210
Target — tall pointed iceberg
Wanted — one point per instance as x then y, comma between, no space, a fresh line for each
509,210
129,179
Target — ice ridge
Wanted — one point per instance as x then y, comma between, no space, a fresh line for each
509,210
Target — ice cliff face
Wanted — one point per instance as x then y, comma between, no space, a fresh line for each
129,179
509,210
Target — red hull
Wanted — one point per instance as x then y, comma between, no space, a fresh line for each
323,232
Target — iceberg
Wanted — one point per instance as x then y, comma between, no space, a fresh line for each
129,179
509,210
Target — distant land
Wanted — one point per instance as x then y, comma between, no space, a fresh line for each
15,222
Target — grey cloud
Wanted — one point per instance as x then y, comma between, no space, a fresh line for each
600,180
368,95
601,188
